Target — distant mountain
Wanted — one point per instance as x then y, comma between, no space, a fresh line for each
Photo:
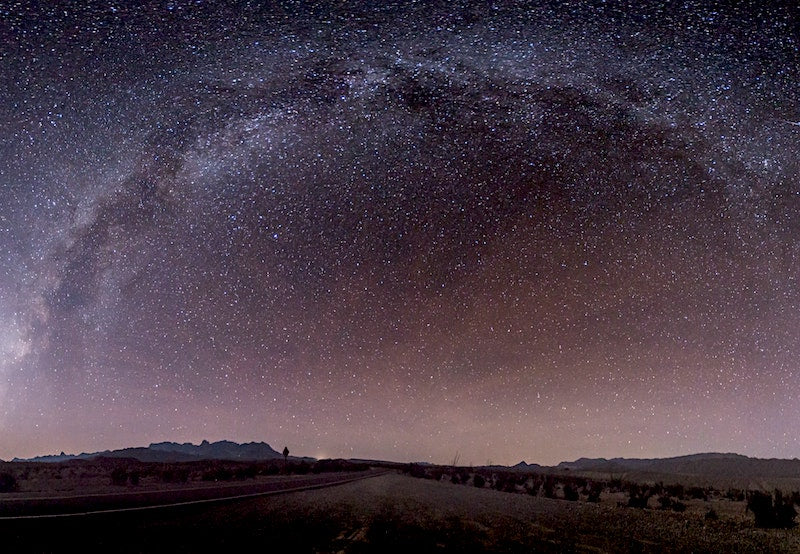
524,465
175,452
708,464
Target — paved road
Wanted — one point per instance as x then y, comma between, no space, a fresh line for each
25,508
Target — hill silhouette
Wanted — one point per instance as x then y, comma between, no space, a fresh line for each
711,464
177,452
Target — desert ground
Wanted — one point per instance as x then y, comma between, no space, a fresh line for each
394,512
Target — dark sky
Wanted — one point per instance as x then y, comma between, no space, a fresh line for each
514,230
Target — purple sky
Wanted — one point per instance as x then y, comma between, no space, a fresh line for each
513,232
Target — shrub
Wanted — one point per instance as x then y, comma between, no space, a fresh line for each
337,465
218,474
570,492
133,478
174,475
676,491
119,476
534,486
735,494
698,493
760,503
301,469
549,487
665,502
711,515
638,496
595,489
247,472
777,514
479,481
499,483
785,512
8,483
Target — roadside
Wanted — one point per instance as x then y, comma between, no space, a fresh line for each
61,506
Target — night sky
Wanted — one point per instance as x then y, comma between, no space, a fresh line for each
513,230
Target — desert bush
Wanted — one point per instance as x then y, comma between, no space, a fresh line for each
326,465
760,503
119,476
300,469
498,482
571,492
697,493
549,487
8,483
133,478
769,512
219,473
785,512
478,480
246,472
711,515
675,491
594,491
668,503
665,502
638,496
535,485
455,478
637,502
337,465
174,475
735,495
509,485
579,482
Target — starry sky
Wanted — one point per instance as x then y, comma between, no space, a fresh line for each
510,230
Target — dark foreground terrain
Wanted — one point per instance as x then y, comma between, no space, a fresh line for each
398,513
74,505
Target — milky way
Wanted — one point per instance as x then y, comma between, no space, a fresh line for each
509,230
